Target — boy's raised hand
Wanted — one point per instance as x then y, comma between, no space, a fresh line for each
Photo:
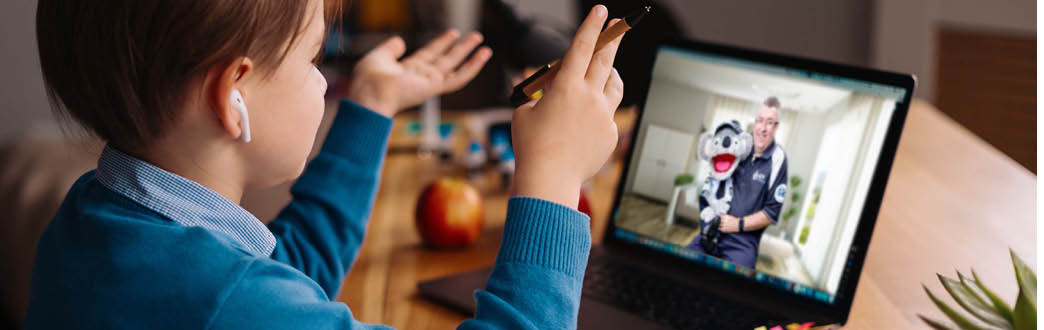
562,139
383,83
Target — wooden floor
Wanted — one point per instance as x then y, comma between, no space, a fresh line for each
646,217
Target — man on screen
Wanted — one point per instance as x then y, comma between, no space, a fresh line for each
759,188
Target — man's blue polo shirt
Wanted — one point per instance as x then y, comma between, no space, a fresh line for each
759,184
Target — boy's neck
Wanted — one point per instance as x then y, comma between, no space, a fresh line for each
212,166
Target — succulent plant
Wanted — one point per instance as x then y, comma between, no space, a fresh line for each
989,311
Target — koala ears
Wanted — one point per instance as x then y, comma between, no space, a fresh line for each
704,146
747,143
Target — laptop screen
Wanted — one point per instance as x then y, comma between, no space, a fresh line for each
755,169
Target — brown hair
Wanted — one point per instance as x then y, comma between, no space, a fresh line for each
121,67
772,102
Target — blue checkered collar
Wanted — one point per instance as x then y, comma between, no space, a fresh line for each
182,200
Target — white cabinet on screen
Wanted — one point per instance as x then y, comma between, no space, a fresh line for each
664,155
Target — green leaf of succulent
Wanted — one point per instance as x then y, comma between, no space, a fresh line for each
1026,304
1002,307
972,303
970,283
937,325
1027,280
1003,312
958,319
1025,314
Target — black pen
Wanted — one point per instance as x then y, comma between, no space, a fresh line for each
532,88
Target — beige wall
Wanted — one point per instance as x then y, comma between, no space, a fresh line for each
832,30
904,30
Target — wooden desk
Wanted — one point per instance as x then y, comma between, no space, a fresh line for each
952,201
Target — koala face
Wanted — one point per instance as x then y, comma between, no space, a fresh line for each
724,149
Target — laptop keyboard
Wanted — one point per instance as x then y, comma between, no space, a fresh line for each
666,301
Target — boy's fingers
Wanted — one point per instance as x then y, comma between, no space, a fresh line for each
394,47
614,89
602,62
577,58
529,105
467,71
437,47
458,52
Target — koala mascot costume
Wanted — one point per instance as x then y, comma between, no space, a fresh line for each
724,149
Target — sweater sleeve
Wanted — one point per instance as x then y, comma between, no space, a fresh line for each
535,283
269,296
322,228
539,271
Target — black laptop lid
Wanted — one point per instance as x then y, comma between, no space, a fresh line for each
799,149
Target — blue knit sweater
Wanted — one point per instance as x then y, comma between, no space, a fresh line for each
136,247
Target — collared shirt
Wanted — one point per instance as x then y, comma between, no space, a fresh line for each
182,200
760,183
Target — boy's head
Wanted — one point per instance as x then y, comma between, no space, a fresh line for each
144,73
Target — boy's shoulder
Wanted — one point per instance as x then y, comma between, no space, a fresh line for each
103,253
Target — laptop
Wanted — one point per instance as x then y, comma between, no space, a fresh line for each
810,146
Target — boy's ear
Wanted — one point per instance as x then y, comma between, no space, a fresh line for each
223,81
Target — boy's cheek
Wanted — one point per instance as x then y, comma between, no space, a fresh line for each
284,141
280,159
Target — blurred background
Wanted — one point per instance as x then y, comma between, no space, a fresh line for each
973,59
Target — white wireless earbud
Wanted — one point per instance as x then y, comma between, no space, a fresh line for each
239,104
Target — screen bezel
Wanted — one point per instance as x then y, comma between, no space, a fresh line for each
839,310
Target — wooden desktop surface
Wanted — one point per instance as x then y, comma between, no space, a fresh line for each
952,202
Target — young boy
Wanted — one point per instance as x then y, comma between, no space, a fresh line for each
201,99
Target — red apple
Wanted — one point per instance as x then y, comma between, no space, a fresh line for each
584,205
449,214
